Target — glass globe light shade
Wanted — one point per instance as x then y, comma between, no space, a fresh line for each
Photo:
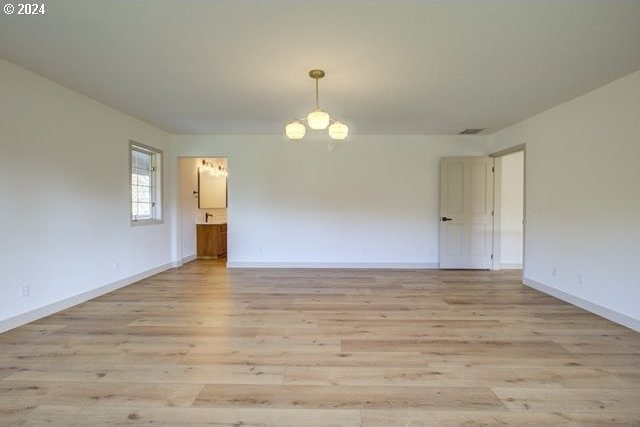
318,119
295,130
338,130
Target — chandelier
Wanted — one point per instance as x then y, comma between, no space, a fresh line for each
318,119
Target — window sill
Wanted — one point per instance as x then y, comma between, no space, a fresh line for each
146,222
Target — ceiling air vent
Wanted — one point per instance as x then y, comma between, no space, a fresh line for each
470,131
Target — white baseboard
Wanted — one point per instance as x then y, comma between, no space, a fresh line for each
180,263
393,265
189,258
510,266
607,313
39,313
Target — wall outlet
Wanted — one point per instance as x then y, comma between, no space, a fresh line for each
116,266
580,279
25,291
554,271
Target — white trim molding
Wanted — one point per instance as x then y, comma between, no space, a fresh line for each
607,313
354,265
510,266
188,259
39,313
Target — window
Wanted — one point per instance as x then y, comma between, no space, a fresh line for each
146,184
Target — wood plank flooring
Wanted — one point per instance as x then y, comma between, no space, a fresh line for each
201,345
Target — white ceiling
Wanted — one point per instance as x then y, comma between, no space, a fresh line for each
393,67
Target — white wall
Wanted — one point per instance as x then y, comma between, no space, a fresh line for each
511,209
190,214
583,199
64,197
372,202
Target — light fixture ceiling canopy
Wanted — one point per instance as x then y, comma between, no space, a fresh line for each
316,74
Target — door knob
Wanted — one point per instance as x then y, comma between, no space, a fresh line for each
444,218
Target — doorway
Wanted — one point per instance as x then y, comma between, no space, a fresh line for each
509,218
203,214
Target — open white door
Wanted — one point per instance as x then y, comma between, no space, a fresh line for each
466,208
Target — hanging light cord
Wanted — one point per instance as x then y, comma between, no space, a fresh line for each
317,101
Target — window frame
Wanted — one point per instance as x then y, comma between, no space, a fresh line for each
157,183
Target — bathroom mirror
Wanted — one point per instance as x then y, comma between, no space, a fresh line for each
212,190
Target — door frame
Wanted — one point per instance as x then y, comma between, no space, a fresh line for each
179,249
497,176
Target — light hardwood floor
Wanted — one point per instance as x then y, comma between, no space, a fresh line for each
201,345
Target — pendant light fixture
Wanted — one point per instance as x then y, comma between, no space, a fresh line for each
318,119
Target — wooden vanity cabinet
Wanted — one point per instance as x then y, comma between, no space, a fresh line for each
211,241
